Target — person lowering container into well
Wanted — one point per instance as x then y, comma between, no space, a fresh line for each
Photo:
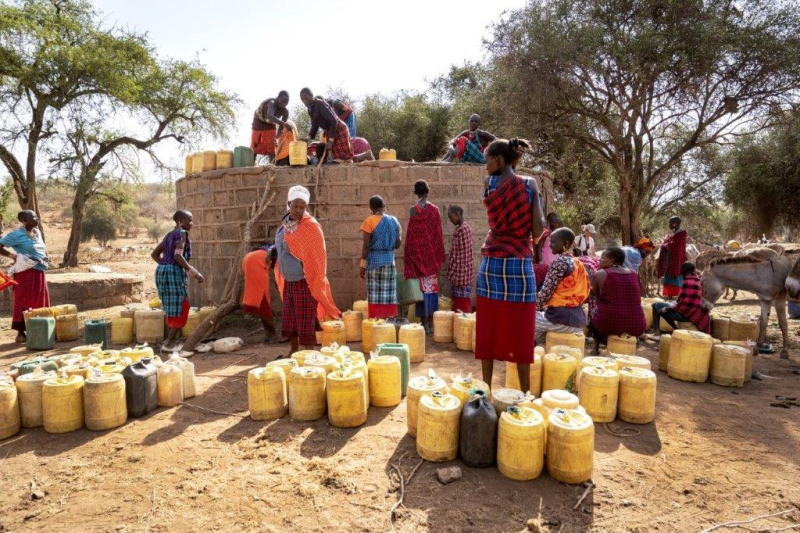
468,147
269,121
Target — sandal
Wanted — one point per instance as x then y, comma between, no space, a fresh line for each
766,348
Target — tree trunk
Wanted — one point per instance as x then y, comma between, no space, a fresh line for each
78,204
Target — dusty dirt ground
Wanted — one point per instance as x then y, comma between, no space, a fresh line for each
713,454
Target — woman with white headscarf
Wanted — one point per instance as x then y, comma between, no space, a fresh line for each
301,272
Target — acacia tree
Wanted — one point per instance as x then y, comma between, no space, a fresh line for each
174,101
54,53
642,83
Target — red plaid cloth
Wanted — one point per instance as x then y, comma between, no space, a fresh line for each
30,293
342,148
461,263
360,145
619,306
424,251
509,221
675,243
299,313
690,303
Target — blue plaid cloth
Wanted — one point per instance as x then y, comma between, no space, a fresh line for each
381,251
507,278
472,152
382,285
172,289
461,292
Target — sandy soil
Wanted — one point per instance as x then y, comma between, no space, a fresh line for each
713,454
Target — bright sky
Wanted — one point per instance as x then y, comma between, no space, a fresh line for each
257,48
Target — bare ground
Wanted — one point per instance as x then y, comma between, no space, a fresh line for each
713,454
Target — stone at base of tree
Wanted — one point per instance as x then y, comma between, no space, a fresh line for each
448,475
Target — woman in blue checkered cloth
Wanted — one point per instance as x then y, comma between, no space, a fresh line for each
172,274
381,234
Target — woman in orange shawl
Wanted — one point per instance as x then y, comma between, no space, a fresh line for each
301,272
255,300
564,290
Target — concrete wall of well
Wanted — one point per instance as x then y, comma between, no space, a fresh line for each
221,202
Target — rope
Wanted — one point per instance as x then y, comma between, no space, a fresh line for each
621,432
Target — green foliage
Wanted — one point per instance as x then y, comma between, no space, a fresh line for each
155,229
410,123
764,182
7,212
99,224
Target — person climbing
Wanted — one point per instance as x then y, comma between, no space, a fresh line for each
269,121
506,287
173,254
470,144
671,257
617,293
345,113
27,274
301,272
424,252
564,290
381,237
460,262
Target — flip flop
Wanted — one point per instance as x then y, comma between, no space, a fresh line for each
766,349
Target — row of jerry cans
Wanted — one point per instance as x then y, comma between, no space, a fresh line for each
516,435
62,402
697,357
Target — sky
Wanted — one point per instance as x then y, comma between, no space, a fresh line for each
257,48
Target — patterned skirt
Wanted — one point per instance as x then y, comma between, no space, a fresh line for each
382,285
299,312
171,282
30,293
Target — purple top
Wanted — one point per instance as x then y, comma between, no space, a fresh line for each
171,242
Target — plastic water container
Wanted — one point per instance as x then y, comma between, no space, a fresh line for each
352,325
367,325
387,154
67,328
385,376
728,365
535,376
463,327
558,371
461,386
307,397
478,432
621,344
9,409
578,340
570,446
41,333
29,391
663,352
141,387
285,366
720,327
267,393
104,403
559,399
224,159
333,332
187,373
347,406
192,322
502,399
633,361
577,353
402,353
599,393
418,387
689,356
188,164
743,328
197,162
647,307
301,355
138,352
438,427
170,386
443,326
363,307
96,332
298,153
121,330
413,335
325,362
30,365
62,404
637,395
149,326
243,157
383,333
520,443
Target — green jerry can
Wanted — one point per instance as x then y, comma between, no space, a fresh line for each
29,365
41,333
401,352
408,290
96,332
243,157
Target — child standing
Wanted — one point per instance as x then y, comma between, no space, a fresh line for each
173,255
461,263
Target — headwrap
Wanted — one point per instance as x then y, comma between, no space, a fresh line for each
298,192
644,244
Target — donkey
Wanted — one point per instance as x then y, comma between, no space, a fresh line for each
767,279
793,281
